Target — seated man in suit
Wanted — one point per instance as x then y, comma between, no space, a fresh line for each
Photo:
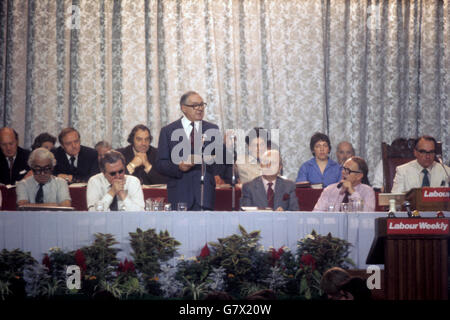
422,172
102,147
140,156
13,159
74,162
180,142
112,188
42,188
354,185
270,190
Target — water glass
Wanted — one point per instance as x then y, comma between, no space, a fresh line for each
182,206
99,206
344,207
149,204
331,208
168,207
158,205
357,205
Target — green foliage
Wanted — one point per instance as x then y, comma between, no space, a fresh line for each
150,249
327,251
234,253
12,263
101,256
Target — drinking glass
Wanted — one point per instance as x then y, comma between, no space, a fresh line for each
182,206
344,207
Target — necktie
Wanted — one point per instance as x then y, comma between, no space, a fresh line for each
192,137
425,181
11,163
40,194
270,195
345,200
72,164
113,206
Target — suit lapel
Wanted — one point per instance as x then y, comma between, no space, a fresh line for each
261,192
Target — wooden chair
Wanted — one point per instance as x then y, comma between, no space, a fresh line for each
399,152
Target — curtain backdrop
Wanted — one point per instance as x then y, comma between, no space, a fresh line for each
363,71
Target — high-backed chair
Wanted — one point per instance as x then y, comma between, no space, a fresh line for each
399,152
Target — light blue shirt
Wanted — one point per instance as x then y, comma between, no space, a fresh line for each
310,171
55,190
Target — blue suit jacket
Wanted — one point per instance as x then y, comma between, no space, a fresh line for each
185,186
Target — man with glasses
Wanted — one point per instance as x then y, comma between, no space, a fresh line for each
112,189
180,143
42,188
353,187
424,171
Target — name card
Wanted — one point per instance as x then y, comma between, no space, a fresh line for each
418,226
435,194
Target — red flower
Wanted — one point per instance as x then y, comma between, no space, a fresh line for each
286,196
308,260
80,260
126,266
276,254
205,251
46,261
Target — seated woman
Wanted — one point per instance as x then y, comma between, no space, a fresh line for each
42,188
44,140
354,186
320,169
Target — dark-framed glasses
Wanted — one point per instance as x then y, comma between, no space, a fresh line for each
113,173
196,106
42,170
348,171
421,151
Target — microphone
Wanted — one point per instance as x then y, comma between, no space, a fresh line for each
339,185
439,157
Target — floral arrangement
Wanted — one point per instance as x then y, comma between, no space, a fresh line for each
237,265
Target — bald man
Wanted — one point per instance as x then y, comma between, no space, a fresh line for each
269,189
13,159
344,151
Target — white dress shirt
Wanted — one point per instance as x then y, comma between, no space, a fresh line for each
410,175
97,192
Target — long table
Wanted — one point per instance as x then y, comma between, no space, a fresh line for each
38,231
307,198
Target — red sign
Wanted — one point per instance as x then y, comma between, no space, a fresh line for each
418,226
435,194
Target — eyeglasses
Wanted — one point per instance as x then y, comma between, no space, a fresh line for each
196,106
421,151
113,173
42,170
348,171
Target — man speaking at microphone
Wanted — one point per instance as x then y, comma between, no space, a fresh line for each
424,171
180,148
354,186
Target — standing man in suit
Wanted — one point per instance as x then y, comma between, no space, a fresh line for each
422,172
140,156
13,159
74,162
180,145
270,190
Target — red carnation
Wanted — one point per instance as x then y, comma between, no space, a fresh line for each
126,266
46,261
80,260
205,251
276,254
308,260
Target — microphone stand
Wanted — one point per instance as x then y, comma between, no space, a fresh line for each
202,179
233,181
439,157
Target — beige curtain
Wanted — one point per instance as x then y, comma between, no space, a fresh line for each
363,71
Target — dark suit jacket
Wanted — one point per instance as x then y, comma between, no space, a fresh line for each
87,165
153,176
185,186
254,194
20,167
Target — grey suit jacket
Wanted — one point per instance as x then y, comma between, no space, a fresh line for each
254,194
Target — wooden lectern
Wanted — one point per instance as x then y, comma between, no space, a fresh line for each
429,199
414,252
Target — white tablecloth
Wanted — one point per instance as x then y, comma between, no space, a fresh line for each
38,231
